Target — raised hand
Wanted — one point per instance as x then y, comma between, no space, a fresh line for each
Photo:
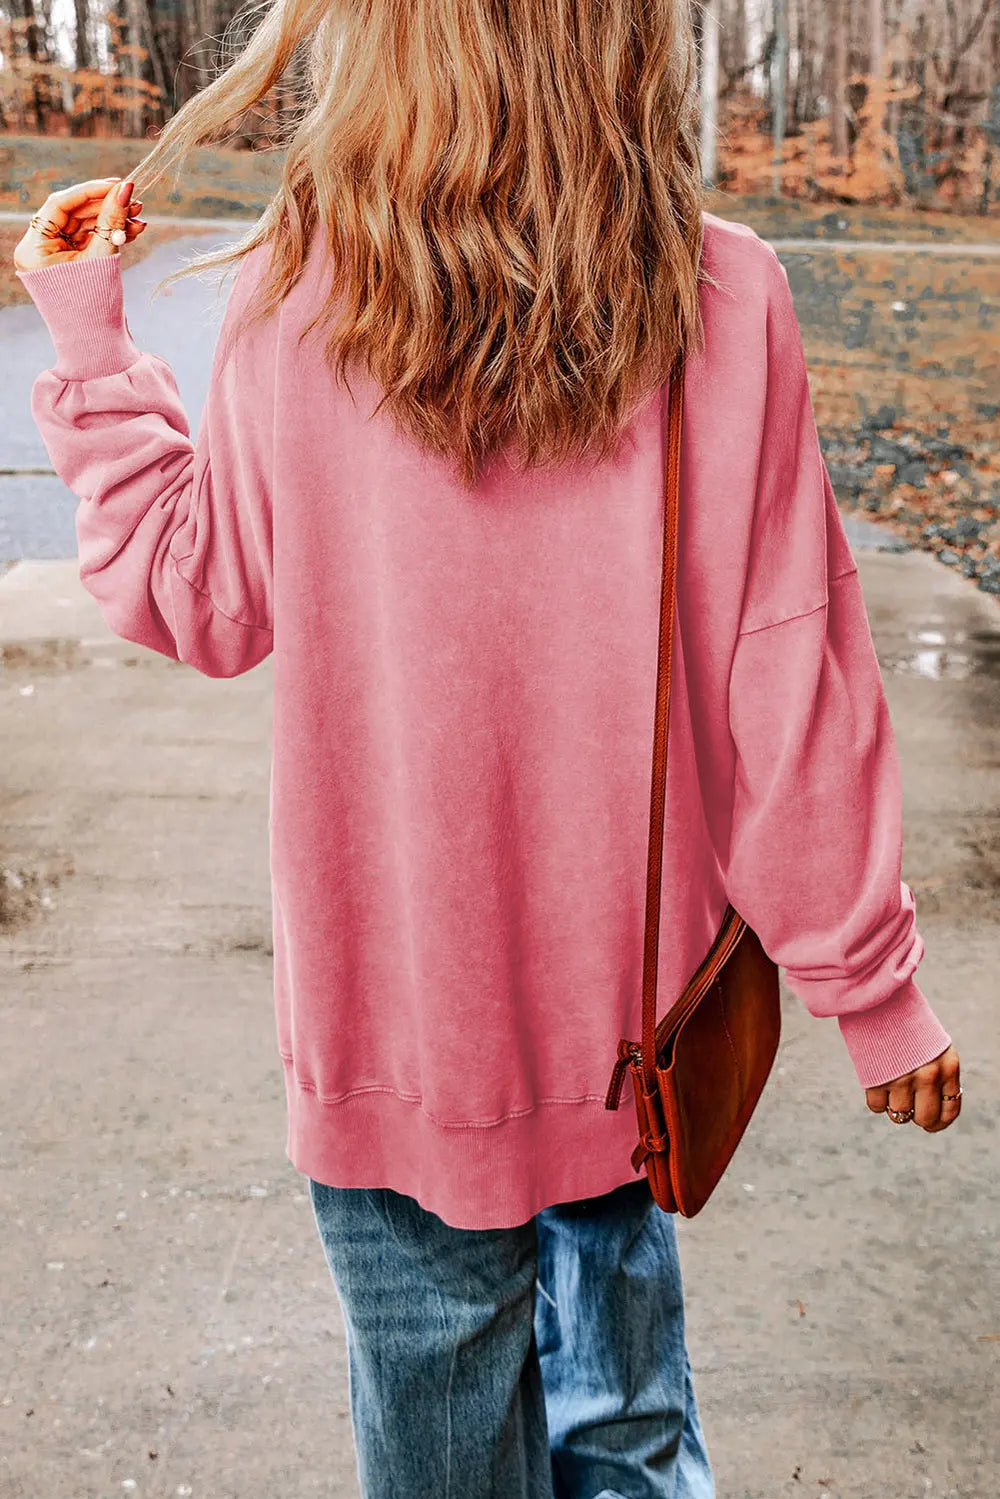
86,220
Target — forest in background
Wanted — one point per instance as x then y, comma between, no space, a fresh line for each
893,102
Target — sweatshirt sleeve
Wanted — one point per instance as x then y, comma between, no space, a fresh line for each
173,536
814,862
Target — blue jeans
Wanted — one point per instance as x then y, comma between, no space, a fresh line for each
546,1361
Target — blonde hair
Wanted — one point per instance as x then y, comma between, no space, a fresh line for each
511,193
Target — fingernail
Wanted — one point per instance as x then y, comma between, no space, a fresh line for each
124,192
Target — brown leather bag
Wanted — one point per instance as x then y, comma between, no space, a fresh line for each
698,1074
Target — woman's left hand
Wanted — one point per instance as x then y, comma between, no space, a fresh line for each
78,223
930,1094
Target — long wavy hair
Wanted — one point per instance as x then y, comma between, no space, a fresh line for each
511,193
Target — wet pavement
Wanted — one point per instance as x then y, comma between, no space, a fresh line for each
170,1327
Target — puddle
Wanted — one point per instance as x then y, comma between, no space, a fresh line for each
42,655
54,654
983,872
865,536
956,655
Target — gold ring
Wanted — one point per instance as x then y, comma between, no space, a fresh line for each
46,230
113,236
900,1116
952,1095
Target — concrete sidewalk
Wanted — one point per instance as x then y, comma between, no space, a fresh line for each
170,1327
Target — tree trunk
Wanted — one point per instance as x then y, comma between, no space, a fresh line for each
79,124
806,47
151,41
81,37
838,79
35,54
779,92
876,48
710,92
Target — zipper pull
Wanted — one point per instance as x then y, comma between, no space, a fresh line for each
627,1052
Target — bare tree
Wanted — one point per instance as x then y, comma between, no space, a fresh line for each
779,90
838,77
710,91
34,37
81,36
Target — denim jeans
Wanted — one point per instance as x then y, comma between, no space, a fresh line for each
546,1361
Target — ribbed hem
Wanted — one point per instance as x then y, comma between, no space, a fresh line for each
470,1175
893,1037
81,302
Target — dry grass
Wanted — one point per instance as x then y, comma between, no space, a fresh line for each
792,217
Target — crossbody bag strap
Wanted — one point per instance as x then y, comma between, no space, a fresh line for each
668,586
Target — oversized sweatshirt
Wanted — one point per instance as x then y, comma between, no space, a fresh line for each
463,709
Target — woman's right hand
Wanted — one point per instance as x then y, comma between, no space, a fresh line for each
923,1090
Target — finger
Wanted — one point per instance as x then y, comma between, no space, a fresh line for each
877,1098
74,242
112,215
901,1094
133,227
78,234
927,1096
39,245
89,211
86,220
951,1083
67,200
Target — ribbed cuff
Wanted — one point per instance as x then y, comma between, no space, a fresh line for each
893,1037
81,302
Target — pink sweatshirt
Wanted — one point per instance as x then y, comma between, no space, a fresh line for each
463,722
